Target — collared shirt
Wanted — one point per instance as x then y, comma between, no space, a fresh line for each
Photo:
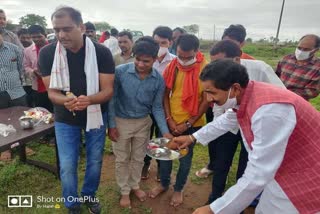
10,37
119,59
136,98
30,63
269,147
302,79
260,71
11,70
112,44
160,66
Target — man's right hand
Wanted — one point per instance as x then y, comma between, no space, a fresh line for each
37,73
70,103
182,141
173,127
113,134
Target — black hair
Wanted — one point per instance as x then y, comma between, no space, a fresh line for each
114,32
22,31
163,32
316,38
90,26
125,33
2,11
146,45
181,30
34,29
74,14
107,33
235,32
188,42
229,48
223,73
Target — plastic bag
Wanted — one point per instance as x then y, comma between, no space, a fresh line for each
5,130
39,115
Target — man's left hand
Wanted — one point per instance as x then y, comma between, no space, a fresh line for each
203,210
181,128
83,103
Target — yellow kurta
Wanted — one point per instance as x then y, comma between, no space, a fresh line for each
178,113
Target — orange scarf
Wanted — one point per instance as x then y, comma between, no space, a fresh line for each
190,97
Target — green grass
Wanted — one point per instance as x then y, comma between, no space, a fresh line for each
20,179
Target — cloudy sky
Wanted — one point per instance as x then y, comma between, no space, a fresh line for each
260,17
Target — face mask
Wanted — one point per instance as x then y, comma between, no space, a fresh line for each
184,64
230,103
302,55
162,51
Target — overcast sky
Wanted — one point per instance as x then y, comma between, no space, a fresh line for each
260,17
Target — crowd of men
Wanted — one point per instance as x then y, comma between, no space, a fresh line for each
162,85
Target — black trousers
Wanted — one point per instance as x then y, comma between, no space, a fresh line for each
6,102
42,100
221,153
30,96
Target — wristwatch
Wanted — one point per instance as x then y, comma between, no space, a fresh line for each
188,124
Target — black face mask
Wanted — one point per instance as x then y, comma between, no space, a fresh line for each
26,44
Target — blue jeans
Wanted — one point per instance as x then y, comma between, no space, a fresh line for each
69,142
184,167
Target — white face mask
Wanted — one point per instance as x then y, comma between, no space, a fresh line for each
302,55
162,51
230,103
187,63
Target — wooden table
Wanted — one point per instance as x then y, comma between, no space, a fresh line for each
21,137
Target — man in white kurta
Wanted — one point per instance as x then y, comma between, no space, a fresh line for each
272,126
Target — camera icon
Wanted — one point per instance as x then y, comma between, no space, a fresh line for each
19,200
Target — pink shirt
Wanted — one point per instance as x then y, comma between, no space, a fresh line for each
30,63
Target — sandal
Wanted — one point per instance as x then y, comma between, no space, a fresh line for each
204,172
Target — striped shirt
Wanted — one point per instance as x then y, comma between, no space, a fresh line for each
10,70
10,37
302,79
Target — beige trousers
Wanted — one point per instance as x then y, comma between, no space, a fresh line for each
130,150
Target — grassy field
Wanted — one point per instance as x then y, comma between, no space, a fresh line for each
20,179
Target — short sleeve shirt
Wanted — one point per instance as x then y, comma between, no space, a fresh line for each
78,84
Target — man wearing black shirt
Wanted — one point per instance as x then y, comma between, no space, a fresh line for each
71,112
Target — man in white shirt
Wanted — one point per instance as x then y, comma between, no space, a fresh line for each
112,42
222,150
163,36
281,134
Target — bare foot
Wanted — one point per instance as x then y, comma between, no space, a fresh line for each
141,195
156,191
6,156
125,201
177,199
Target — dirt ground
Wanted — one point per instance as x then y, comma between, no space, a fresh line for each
195,195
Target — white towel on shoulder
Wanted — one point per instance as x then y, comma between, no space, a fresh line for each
60,79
